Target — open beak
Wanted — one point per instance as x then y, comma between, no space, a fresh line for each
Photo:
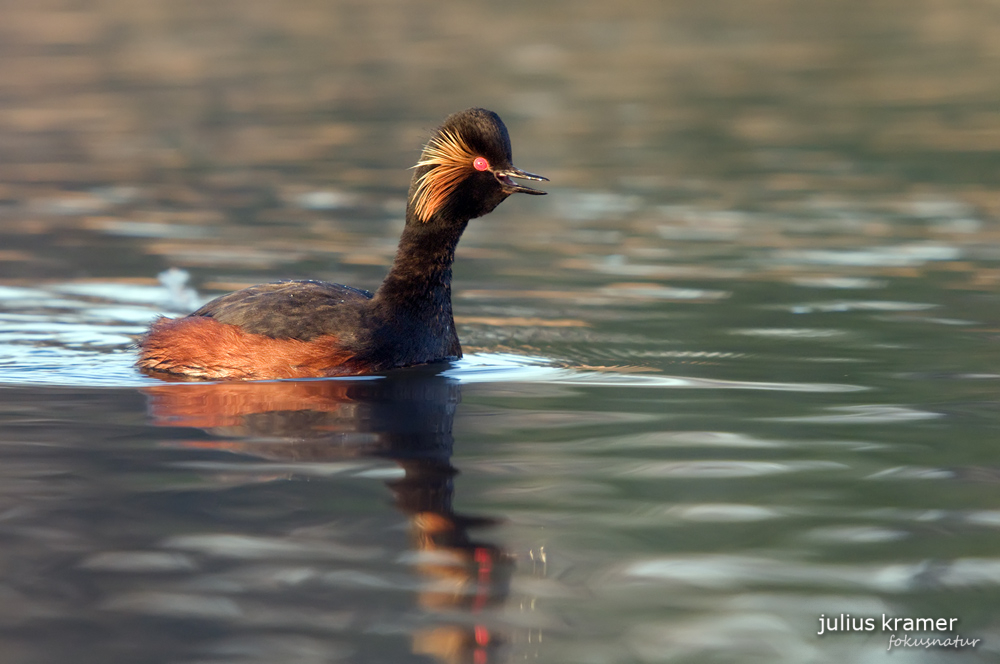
511,187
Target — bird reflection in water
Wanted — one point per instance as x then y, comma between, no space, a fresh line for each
406,417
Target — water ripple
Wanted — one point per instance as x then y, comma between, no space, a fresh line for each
912,473
501,367
840,306
865,414
718,469
790,332
903,255
246,547
729,572
856,535
180,605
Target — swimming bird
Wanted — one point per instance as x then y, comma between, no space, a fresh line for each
302,329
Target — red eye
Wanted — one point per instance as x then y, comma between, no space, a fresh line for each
480,164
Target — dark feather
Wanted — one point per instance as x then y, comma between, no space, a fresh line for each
289,309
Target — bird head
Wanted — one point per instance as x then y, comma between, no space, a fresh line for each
465,169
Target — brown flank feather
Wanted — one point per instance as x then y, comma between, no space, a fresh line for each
451,160
201,347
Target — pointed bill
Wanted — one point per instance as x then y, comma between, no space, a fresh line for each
511,187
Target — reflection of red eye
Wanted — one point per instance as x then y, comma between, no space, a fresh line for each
480,164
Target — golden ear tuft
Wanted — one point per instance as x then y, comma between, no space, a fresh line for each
451,160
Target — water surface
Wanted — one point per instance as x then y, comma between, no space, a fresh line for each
735,373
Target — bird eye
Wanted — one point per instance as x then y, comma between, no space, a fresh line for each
480,164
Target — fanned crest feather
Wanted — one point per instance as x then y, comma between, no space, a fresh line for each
450,159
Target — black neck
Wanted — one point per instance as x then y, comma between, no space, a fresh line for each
420,277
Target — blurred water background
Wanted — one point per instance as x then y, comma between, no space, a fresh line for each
737,371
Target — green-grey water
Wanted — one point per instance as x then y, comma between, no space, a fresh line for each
737,372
